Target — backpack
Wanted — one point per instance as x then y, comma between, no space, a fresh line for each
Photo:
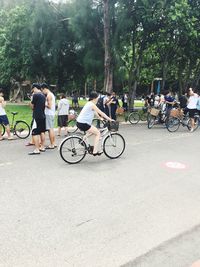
100,104
198,104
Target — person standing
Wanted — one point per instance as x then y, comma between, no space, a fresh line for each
170,101
114,104
63,112
38,125
50,110
3,117
125,101
192,106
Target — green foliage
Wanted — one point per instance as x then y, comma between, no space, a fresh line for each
63,43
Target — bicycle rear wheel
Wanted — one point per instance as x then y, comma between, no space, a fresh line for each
72,149
22,129
133,117
113,145
196,123
2,129
172,124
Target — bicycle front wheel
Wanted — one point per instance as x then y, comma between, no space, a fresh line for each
22,129
72,149
143,116
172,124
134,118
151,121
113,145
2,129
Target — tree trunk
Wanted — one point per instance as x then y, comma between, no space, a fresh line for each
108,69
17,92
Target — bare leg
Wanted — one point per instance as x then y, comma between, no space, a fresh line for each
59,131
8,131
52,137
93,130
36,142
42,140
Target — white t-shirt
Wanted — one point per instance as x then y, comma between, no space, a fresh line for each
51,111
63,107
192,101
2,110
87,114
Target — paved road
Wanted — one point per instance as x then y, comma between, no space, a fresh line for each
130,212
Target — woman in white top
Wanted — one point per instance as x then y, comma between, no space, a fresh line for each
192,106
63,112
3,117
84,120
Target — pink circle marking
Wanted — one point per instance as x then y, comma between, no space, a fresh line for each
175,165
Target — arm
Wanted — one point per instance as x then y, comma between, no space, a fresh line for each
3,102
49,101
59,105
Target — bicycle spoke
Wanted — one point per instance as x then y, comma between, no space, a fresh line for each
114,145
72,149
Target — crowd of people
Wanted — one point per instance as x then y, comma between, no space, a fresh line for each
103,105
188,101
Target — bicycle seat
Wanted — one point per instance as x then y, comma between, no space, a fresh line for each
14,113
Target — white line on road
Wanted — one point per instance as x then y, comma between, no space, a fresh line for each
5,164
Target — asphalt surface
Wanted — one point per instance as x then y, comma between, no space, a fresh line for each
142,209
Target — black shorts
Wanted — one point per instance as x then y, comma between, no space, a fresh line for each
39,126
62,120
192,112
83,126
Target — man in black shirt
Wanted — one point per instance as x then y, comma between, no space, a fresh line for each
38,126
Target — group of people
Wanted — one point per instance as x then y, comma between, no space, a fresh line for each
189,101
108,103
43,103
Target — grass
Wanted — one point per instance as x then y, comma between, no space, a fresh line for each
25,112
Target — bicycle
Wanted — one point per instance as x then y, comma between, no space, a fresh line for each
157,116
179,118
73,149
19,128
135,116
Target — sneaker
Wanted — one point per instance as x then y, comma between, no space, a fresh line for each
191,130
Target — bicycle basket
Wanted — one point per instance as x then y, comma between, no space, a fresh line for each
113,126
178,113
154,111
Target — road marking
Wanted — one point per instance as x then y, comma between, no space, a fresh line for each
5,164
175,165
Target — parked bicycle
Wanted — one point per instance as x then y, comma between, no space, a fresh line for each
135,116
157,116
74,148
177,118
19,128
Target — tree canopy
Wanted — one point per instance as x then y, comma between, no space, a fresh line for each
86,44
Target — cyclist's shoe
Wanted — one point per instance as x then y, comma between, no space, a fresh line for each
34,153
98,153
